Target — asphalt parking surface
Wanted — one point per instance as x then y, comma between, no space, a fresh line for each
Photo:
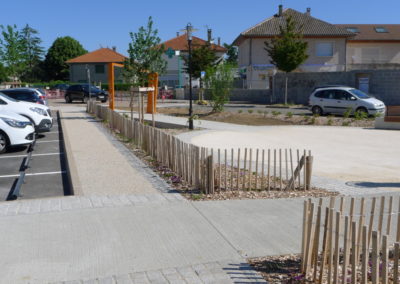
46,175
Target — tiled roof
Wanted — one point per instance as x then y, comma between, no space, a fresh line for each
310,26
180,43
368,32
102,55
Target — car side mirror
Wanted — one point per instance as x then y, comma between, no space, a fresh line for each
353,98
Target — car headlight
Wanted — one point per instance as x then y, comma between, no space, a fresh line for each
38,110
16,123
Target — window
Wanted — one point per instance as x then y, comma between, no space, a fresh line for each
381,30
324,49
2,102
99,68
353,30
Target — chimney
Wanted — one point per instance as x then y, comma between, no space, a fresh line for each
177,34
280,12
308,13
209,35
219,41
114,48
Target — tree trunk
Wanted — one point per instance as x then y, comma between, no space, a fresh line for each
286,80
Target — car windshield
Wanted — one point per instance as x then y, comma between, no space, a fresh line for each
359,94
7,97
92,88
41,91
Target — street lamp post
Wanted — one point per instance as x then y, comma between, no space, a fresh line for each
189,30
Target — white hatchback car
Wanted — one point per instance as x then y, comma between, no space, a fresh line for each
339,99
15,130
38,114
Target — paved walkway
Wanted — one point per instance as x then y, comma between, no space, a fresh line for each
128,226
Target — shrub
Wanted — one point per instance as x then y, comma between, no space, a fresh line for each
219,80
313,120
265,113
276,113
347,113
240,111
345,123
250,111
259,111
360,115
330,121
289,114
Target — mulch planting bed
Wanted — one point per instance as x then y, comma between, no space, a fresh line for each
191,193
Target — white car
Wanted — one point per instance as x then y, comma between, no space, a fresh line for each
38,114
15,130
339,99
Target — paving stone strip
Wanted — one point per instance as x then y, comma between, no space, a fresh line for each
222,272
24,207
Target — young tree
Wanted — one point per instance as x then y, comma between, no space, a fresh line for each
231,54
145,55
32,53
62,49
288,50
203,57
11,48
219,80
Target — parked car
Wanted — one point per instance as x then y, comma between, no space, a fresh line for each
38,114
339,99
15,130
31,95
81,92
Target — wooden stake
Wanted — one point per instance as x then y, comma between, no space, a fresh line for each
269,168
304,236
256,177
309,239
244,169
381,212
287,165
314,258
371,220
232,167
325,241
385,259
396,263
365,256
389,219
238,171
360,225
353,252
219,169
262,169
250,166
298,162
291,168
375,258
337,256
225,170
345,249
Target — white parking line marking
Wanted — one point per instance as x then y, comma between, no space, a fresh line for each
35,174
34,155
49,141
51,132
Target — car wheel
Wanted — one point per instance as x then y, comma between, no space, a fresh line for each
316,110
3,142
68,99
362,110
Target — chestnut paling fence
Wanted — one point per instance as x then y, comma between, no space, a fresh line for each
212,170
353,241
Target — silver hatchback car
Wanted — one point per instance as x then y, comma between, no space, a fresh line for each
339,99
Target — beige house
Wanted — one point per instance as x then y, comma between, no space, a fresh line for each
374,46
326,46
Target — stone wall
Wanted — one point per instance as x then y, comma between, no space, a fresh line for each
383,84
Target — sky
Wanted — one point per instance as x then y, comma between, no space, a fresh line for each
101,23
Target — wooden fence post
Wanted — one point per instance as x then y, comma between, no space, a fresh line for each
375,258
396,263
210,174
385,259
365,256
309,164
345,249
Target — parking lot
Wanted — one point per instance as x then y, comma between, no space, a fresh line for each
45,175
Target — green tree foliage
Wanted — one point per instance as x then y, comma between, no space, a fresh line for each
145,55
62,49
288,50
11,51
231,54
203,57
32,52
219,80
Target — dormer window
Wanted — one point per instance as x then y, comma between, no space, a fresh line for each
381,30
353,30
